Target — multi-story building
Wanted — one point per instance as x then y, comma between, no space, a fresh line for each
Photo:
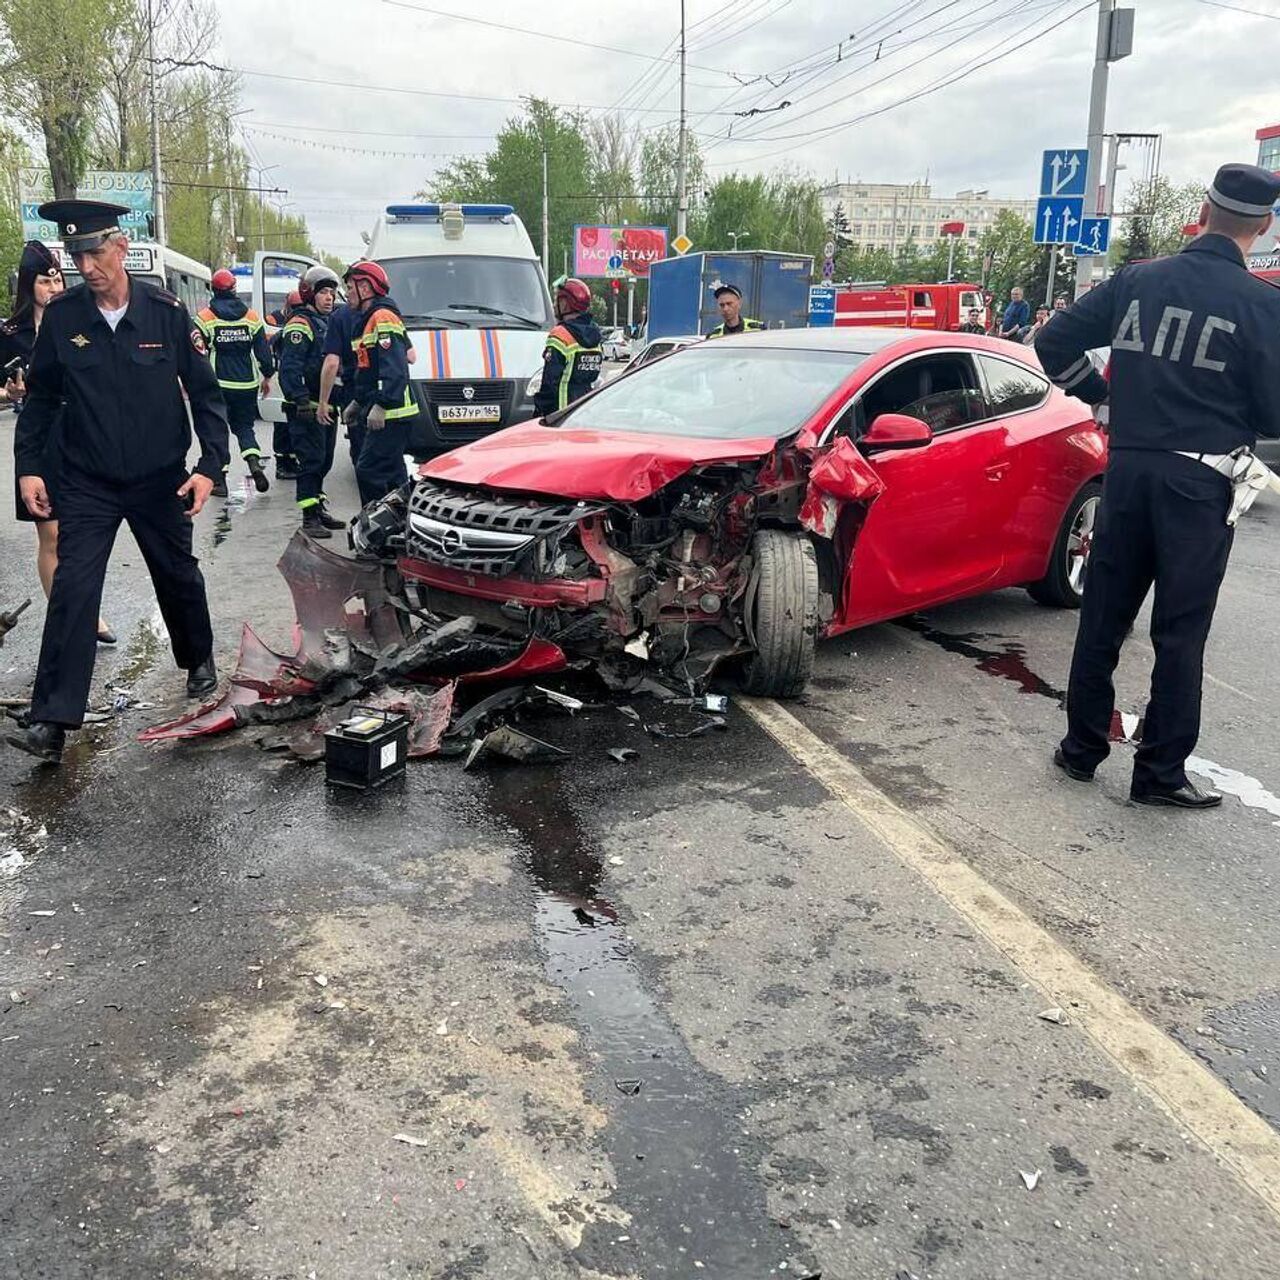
886,215
1265,256
1269,147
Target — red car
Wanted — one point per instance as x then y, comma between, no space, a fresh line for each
741,498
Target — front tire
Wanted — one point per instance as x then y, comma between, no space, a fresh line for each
784,615
1062,587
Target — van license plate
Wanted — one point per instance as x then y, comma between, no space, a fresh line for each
469,412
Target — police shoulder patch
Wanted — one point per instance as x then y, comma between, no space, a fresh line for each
385,342
198,342
165,296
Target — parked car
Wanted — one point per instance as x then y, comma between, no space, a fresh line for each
750,496
615,346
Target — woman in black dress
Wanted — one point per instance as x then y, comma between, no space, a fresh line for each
39,280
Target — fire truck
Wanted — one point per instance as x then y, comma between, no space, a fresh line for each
908,306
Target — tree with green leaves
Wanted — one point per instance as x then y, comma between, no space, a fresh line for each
776,212
512,174
1155,213
54,63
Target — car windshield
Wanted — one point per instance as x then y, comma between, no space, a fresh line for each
471,292
719,391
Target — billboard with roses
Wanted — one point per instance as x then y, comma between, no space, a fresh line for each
613,253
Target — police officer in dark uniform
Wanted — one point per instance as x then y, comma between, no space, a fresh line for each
282,432
1194,380
574,354
729,300
113,357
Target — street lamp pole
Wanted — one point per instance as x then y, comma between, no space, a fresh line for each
157,176
682,174
735,236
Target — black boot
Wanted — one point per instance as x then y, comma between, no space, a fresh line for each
220,488
260,480
313,525
329,520
202,680
286,467
40,739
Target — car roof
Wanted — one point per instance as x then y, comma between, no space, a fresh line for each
871,339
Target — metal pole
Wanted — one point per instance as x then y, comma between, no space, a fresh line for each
546,214
1053,268
262,215
951,258
1097,128
631,303
682,175
157,176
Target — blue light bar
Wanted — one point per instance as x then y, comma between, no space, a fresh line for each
434,210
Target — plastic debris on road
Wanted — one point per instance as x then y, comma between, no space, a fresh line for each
410,1140
1030,1180
1054,1014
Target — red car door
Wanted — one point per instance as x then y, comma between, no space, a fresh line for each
937,532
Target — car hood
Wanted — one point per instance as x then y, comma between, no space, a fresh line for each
585,464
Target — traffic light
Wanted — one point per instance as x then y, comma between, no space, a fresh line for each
614,286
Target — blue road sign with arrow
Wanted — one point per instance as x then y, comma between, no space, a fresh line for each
1064,172
1094,239
1058,220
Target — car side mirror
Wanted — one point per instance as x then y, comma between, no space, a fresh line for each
896,431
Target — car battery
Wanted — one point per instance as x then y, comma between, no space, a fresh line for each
367,749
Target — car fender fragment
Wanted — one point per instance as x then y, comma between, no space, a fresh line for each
839,476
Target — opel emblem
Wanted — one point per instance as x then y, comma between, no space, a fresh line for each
451,541
468,393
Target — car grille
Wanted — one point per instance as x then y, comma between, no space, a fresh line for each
480,532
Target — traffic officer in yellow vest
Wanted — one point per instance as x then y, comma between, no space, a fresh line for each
236,338
301,358
573,355
384,405
729,300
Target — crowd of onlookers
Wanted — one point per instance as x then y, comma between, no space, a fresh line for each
1016,322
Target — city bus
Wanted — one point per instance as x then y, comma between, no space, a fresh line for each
182,276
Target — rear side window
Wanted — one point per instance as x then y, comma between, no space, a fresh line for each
1011,387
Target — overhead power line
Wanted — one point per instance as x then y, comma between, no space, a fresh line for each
1235,8
541,35
422,93
827,130
315,145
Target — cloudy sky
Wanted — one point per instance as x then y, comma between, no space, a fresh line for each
1201,75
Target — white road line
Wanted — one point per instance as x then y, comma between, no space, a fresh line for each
1192,1095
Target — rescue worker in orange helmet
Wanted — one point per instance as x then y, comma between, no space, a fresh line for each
384,404
573,355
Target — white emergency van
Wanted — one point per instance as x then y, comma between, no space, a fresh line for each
475,302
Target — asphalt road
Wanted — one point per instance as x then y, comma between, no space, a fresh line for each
757,1003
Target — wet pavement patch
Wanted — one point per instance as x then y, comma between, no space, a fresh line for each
1242,1044
1008,662
683,1168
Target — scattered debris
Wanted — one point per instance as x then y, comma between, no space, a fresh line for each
9,619
1031,1180
1054,1014
54,912
706,726
630,1088
443,1028
460,1184
514,744
12,861
615,861
621,754
410,1140
561,699
320,980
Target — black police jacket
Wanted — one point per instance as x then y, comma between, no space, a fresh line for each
125,419
1195,351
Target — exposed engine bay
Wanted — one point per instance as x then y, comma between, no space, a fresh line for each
665,580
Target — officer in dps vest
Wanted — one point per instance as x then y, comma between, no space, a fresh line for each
301,358
573,355
1194,380
729,300
237,338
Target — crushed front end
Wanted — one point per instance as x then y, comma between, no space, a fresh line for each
661,580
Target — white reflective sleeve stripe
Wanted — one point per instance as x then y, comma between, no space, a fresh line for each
1068,376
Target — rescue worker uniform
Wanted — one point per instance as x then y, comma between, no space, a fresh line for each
282,432
571,363
745,325
1194,376
301,355
114,385
237,338
340,341
384,405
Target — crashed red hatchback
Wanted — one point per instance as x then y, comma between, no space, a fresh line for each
743,497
